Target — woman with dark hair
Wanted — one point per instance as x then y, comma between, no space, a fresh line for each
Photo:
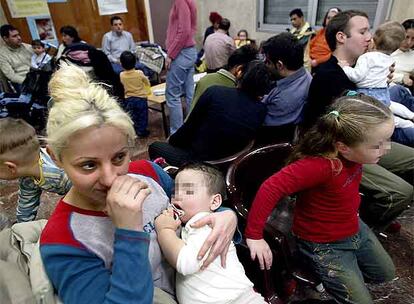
404,68
215,19
404,57
223,121
69,35
319,50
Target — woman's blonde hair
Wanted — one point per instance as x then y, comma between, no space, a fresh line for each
78,104
348,120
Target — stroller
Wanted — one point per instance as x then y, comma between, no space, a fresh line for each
95,63
31,103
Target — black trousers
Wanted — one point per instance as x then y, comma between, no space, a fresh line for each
172,155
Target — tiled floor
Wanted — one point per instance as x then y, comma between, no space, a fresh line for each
400,246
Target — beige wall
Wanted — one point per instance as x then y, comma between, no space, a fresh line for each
3,20
401,10
243,15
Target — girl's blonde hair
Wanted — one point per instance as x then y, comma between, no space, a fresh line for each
78,104
348,120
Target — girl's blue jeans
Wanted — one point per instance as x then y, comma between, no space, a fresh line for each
345,265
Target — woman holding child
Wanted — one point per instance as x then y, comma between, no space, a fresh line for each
100,245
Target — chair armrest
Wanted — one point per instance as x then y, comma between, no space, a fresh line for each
231,158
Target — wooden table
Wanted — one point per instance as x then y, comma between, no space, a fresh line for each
159,103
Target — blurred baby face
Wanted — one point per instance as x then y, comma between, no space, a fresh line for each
191,194
377,144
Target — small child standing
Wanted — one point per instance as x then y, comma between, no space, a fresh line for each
21,157
325,171
40,57
370,76
137,87
242,39
199,189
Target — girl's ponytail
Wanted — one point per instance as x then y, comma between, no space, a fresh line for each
348,120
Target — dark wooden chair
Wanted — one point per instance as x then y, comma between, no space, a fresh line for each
225,162
268,135
243,179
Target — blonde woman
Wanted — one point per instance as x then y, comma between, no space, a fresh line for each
100,245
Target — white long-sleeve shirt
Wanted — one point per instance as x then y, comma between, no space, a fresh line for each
404,64
371,70
214,284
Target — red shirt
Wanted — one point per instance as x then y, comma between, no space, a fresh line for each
327,201
182,26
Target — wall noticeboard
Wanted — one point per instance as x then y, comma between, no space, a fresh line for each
25,8
41,27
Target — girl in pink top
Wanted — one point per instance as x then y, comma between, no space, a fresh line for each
325,171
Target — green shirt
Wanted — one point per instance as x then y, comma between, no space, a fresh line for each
222,78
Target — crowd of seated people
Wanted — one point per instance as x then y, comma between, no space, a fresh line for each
105,229
27,69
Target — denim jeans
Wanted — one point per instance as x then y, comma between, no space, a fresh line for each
138,66
382,94
137,109
344,266
180,82
404,136
402,95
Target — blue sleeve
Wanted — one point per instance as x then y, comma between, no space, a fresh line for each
28,200
81,277
166,182
237,237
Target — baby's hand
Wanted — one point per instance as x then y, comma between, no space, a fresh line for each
166,220
343,63
262,250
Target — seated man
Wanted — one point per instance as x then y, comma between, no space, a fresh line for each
218,47
301,29
284,56
387,185
225,77
15,56
117,41
222,123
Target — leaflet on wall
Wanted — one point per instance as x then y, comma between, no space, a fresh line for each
41,27
110,7
24,8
